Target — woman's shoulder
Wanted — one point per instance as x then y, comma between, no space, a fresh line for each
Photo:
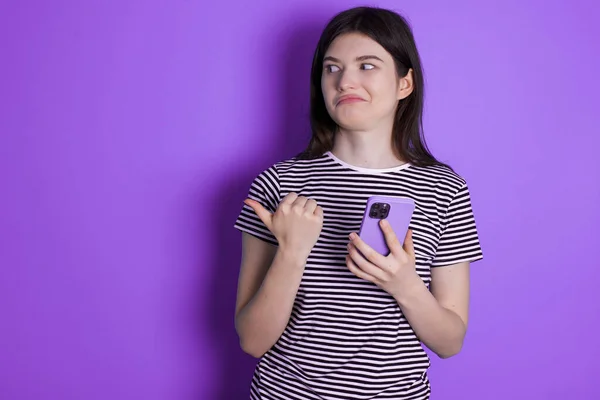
440,176
296,164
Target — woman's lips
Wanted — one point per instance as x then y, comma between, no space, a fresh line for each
349,100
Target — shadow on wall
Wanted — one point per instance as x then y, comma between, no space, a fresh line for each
291,135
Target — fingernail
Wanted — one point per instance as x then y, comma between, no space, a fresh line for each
353,236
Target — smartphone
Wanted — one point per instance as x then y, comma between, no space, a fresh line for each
397,211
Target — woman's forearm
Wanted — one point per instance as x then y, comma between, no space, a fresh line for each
439,328
262,321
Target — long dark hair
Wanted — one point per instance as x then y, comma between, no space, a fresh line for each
394,34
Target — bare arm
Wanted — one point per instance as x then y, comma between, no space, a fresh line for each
440,317
268,283
270,276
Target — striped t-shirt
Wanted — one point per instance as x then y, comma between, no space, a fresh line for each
347,338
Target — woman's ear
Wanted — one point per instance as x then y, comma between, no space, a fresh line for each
406,85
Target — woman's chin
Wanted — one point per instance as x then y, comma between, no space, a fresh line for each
354,124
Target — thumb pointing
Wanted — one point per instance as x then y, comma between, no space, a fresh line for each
265,216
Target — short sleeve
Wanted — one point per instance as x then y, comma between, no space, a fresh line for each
459,241
265,190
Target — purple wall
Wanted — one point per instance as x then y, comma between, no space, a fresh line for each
130,132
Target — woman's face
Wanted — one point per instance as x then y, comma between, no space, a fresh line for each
360,85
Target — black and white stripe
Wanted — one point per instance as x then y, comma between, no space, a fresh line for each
346,338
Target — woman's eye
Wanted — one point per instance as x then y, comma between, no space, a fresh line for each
331,68
368,66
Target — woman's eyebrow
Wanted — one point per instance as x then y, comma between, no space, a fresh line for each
360,58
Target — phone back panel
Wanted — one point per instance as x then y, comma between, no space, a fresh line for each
399,214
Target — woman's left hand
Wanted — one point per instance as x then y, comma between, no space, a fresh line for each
391,273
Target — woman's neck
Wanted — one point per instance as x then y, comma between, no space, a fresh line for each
366,150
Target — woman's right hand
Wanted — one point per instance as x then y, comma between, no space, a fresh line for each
296,224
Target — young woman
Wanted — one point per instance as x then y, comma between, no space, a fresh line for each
328,316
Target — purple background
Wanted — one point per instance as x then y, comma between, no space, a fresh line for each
131,130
